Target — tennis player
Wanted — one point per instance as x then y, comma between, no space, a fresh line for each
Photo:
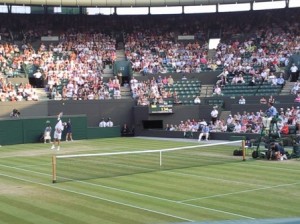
59,127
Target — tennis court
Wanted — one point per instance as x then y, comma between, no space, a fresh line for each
202,184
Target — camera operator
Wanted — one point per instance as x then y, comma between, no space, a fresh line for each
15,113
276,152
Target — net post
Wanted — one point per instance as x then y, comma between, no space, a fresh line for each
244,150
53,169
160,158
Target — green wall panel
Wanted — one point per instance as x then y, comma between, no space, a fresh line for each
11,132
103,132
29,130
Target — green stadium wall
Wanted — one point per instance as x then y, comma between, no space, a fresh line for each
110,132
30,130
11,132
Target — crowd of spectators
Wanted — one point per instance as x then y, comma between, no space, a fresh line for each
79,58
13,93
152,47
73,67
153,91
245,122
263,53
153,54
263,48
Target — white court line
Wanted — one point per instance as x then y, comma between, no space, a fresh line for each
164,171
240,192
272,167
212,178
135,193
35,165
96,197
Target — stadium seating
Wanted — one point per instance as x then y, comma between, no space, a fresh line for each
186,90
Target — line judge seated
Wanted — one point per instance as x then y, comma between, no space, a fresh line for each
109,123
102,123
126,132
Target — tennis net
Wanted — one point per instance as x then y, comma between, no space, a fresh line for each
91,166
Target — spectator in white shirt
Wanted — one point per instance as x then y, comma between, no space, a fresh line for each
242,100
295,88
272,79
117,93
214,115
197,100
35,97
280,80
294,73
102,123
109,123
237,127
217,91
229,119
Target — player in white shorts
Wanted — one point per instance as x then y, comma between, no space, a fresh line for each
59,127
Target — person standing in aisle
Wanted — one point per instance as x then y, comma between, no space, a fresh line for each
294,73
214,115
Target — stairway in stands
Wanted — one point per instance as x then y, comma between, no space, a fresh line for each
211,54
108,71
125,92
43,95
286,90
224,115
206,90
120,55
39,91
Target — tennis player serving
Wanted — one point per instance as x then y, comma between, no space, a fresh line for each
59,127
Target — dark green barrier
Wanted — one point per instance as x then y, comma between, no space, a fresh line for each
29,130
103,132
236,138
33,128
11,132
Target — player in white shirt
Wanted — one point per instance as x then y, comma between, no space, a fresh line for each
59,127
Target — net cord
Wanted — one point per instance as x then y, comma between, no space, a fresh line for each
146,151
54,157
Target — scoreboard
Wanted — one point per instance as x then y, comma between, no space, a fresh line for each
161,109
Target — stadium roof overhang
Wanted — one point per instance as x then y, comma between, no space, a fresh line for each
125,3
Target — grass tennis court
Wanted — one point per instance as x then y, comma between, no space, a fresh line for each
227,190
